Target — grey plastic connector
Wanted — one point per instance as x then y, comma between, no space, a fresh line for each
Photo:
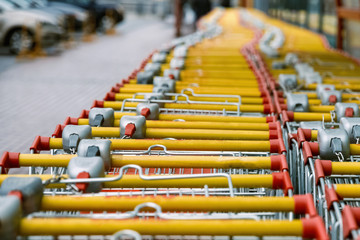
291,59
146,77
312,77
340,109
352,127
154,110
327,95
180,51
138,121
96,147
302,69
164,85
297,102
101,117
159,57
10,216
155,96
172,74
153,67
323,87
278,65
177,63
73,134
94,166
31,189
313,125
289,81
331,141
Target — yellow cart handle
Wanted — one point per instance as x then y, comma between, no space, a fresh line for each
273,146
159,133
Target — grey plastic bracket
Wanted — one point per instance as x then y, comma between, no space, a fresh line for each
291,59
94,166
87,148
180,51
312,77
158,57
323,87
145,77
172,73
164,83
297,102
153,108
352,127
101,117
10,216
302,69
325,96
138,121
153,67
73,134
177,63
329,143
289,81
340,109
31,189
278,65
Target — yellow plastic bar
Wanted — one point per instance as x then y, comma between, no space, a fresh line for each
208,125
187,133
134,181
353,87
82,226
195,125
321,108
206,134
198,204
250,92
213,89
345,168
348,190
148,161
243,108
306,116
208,118
216,74
193,161
192,145
345,96
355,149
237,84
186,145
244,100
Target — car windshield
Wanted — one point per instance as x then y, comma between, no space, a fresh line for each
82,2
20,3
6,6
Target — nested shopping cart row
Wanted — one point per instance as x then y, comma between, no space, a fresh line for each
316,94
188,144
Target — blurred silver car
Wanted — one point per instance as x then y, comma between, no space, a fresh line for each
19,28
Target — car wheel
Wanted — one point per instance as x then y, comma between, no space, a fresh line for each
106,23
19,41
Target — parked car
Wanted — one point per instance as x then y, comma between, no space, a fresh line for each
105,15
67,15
18,28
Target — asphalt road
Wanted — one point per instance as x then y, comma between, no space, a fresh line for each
38,94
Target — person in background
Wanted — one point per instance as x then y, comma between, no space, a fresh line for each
225,3
179,5
200,7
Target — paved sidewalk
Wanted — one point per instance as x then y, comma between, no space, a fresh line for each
37,95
